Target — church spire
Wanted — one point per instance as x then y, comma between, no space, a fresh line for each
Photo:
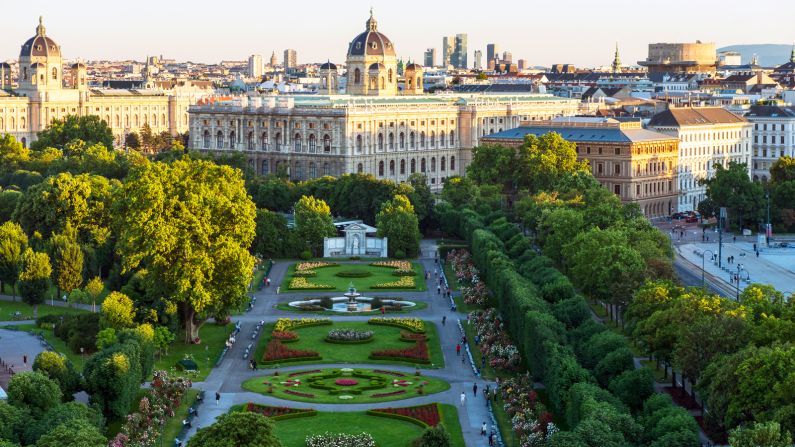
372,24
792,54
616,61
40,30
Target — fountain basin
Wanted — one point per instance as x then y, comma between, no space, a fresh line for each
342,304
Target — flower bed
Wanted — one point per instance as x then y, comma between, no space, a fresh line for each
340,440
529,420
404,272
275,351
390,394
301,283
353,274
289,324
412,324
346,382
398,265
304,274
426,415
279,413
412,337
389,373
284,336
405,282
417,353
299,394
345,335
309,266
495,343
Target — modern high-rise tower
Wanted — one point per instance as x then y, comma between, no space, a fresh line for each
459,58
448,46
430,57
255,66
290,59
492,51
478,60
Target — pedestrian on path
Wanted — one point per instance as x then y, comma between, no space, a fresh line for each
25,360
463,399
438,290
458,349
475,389
463,359
486,392
444,319
483,429
217,397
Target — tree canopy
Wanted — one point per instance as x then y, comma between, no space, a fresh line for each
89,129
237,429
313,222
398,222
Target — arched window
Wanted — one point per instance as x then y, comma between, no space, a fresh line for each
390,75
163,121
251,141
357,76
380,142
380,168
126,120
12,124
452,163
391,140
422,165
383,84
419,81
265,167
360,168
24,142
358,144
25,74
422,140
206,139
117,121
312,143
433,139
441,139
1,122
232,139
452,139
411,140
391,167
264,141
413,166
326,169
154,120
402,166
277,141
54,74
402,140
297,142
219,140
298,172
312,170
135,121
326,143
433,164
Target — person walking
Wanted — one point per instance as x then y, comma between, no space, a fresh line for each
463,398
458,349
483,429
25,360
438,290
486,391
475,389
217,397
444,319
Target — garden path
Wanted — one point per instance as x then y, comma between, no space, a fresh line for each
233,371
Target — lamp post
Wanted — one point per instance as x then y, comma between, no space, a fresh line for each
711,255
767,228
739,270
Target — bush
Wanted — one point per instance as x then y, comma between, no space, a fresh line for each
400,254
353,273
633,387
326,302
613,364
306,255
349,335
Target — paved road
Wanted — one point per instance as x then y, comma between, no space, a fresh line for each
227,378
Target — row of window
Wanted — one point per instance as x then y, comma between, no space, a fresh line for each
411,142
12,124
774,153
710,150
764,126
413,166
711,136
772,139
251,141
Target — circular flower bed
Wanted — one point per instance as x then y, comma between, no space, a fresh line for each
345,335
346,382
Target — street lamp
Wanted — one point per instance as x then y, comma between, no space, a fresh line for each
767,228
740,269
703,258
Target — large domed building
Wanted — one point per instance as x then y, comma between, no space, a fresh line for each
372,63
40,96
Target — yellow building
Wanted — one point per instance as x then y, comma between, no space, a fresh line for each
41,97
374,128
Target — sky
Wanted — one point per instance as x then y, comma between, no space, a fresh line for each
581,32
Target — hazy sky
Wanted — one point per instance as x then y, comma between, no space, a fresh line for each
582,32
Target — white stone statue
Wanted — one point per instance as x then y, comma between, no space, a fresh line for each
356,243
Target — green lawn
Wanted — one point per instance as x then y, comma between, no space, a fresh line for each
451,279
379,275
386,337
57,344
174,425
212,337
263,384
451,423
659,374
419,305
386,432
8,308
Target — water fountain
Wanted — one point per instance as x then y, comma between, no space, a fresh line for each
353,305
351,301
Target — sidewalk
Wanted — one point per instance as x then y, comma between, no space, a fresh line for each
775,267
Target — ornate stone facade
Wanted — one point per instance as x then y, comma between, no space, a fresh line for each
41,97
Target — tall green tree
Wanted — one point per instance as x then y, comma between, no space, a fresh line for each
783,170
398,222
732,188
90,129
273,238
190,223
113,377
458,191
237,429
60,369
75,433
543,161
313,222
67,262
12,153
13,243
34,279
34,391
421,198
493,163
767,434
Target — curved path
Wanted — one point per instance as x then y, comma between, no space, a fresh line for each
227,378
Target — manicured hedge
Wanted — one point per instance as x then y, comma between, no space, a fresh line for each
353,274
399,417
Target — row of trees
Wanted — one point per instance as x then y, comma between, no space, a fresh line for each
747,200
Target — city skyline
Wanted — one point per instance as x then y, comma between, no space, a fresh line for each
192,36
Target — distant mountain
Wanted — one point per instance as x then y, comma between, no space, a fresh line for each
770,55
